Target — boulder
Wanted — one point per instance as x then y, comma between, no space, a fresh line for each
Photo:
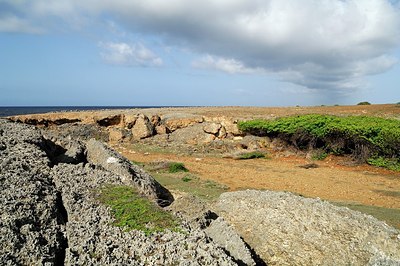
161,129
285,229
130,174
142,128
212,128
155,120
179,120
193,135
116,134
222,133
129,120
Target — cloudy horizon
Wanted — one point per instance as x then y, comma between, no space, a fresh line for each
276,52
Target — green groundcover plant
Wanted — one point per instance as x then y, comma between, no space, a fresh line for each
132,211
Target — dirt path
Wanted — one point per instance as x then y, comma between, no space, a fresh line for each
363,184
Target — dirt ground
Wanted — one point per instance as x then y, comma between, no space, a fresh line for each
330,181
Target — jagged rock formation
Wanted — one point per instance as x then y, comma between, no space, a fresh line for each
100,155
285,229
137,126
50,214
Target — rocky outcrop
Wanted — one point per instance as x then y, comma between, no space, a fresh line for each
51,215
32,223
101,155
285,229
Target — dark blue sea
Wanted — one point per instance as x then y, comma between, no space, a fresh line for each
22,110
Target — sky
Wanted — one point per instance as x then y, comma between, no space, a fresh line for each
199,52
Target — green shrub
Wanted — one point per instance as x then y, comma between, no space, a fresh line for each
361,136
177,167
132,211
364,103
251,155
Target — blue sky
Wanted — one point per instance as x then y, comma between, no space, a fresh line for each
209,52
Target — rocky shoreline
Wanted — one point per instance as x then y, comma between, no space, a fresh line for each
50,215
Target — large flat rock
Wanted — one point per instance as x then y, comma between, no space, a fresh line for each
285,229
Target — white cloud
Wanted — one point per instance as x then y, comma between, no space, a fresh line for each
320,44
128,54
230,66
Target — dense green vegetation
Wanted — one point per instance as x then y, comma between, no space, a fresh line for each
364,137
132,211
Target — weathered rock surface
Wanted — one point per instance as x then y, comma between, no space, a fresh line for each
212,128
101,155
50,214
225,235
193,135
285,229
180,120
32,223
142,128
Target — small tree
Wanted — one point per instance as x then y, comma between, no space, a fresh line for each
364,103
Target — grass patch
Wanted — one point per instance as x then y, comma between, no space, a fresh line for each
390,216
361,136
138,163
134,212
251,155
191,184
177,167
186,179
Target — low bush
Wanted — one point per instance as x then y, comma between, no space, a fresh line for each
364,137
132,211
177,167
364,103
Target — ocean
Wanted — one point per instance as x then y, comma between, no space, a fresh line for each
22,110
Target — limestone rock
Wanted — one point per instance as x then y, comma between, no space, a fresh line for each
285,229
212,128
116,134
129,120
225,235
177,121
161,129
222,133
142,128
130,174
155,120
194,135
231,126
